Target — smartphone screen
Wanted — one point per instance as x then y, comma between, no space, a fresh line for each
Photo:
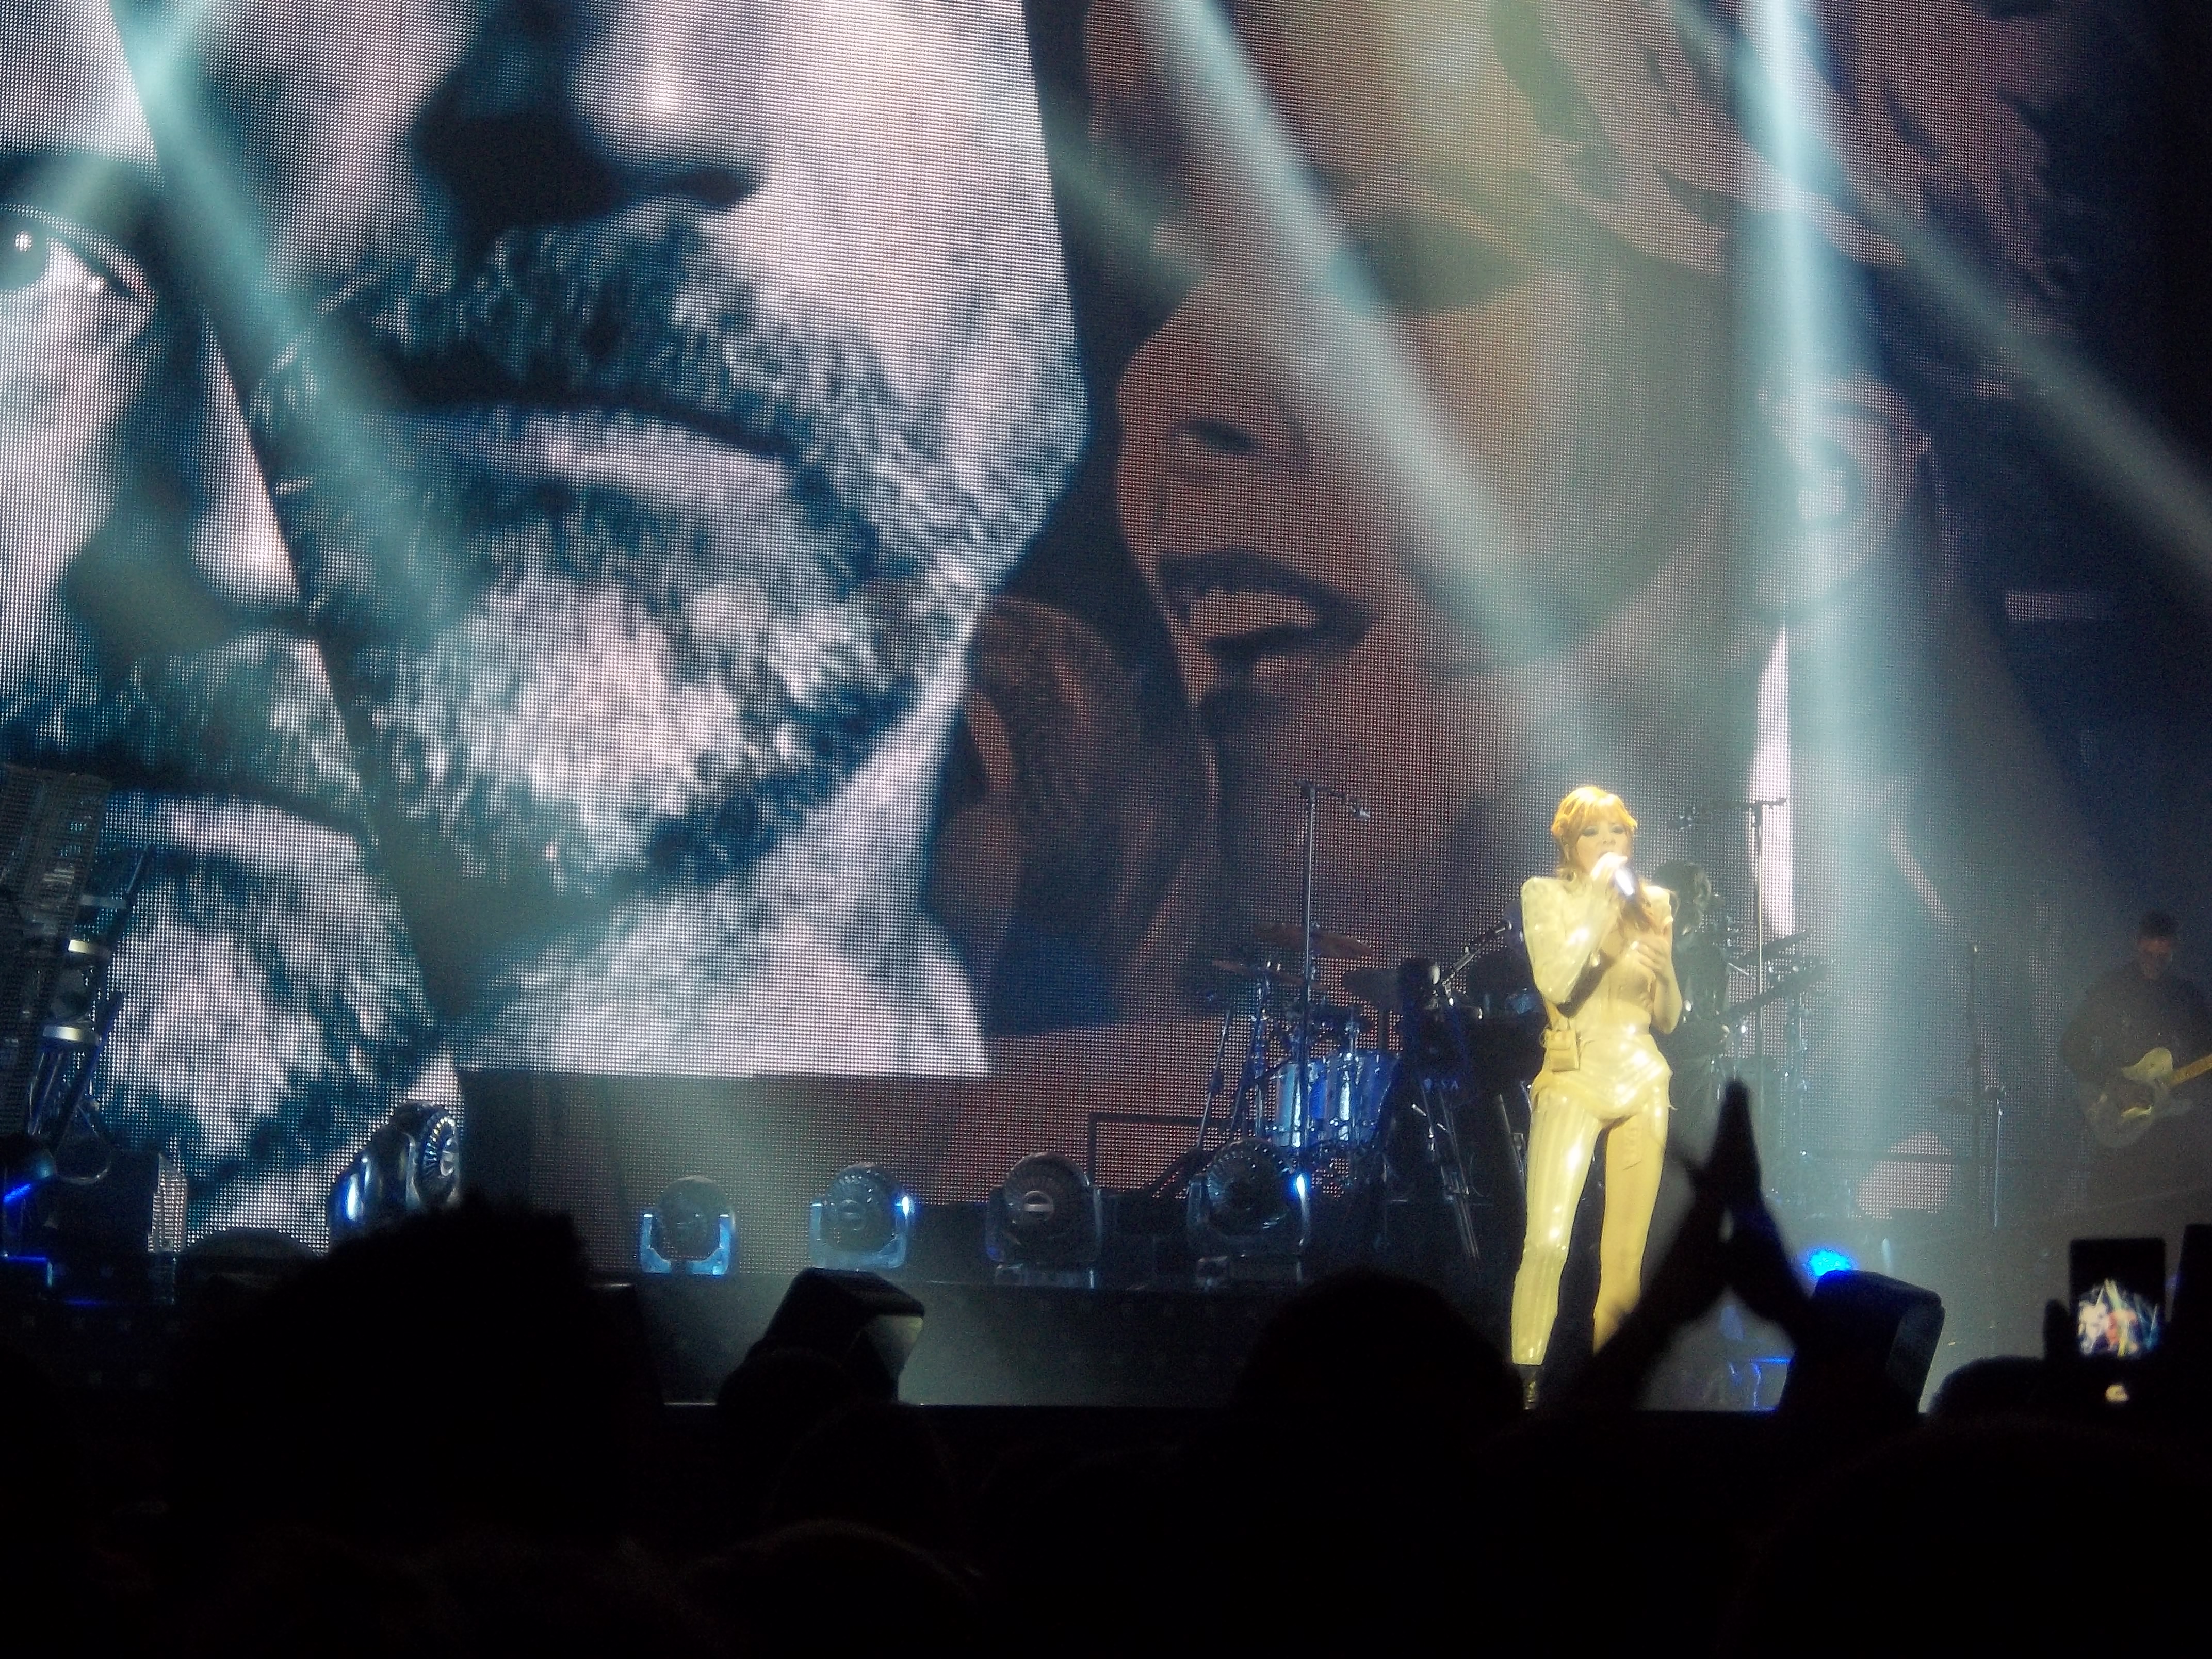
2120,1295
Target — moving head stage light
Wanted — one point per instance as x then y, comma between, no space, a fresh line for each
692,1231
409,1166
1249,1216
1046,1223
863,1221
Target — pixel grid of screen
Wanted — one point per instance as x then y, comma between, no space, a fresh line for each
570,529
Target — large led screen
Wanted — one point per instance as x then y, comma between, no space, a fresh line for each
824,537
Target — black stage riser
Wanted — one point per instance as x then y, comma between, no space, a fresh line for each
981,1344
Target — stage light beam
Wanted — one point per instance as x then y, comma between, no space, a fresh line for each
1315,316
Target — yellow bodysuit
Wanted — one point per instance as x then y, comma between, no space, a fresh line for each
1600,1067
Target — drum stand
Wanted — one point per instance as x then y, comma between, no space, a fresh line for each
1781,1082
1440,1153
1427,1081
1243,1104
1301,1083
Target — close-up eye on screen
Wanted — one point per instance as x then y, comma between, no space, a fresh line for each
1126,645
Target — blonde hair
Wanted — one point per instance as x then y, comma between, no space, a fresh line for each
1578,810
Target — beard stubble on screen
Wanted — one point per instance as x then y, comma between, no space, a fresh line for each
561,681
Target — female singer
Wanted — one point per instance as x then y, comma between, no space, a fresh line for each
1601,943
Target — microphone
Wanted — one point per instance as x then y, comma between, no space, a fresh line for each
1310,791
1624,880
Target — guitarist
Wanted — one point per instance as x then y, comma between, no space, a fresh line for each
2140,1006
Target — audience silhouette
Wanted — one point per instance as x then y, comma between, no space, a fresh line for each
442,1439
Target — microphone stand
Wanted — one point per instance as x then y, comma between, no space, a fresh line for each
1481,942
1979,1097
1309,796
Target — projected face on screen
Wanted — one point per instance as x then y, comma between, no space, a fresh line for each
670,397
680,385
1324,627
270,1012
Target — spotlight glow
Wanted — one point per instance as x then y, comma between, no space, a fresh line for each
1823,1260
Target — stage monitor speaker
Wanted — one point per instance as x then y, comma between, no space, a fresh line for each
1870,1347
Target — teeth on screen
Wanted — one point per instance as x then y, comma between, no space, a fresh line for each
1223,614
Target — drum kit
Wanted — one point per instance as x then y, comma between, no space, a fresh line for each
1316,1076
1313,1074
1367,1094
1308,1084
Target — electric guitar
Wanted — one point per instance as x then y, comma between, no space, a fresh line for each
2132,1099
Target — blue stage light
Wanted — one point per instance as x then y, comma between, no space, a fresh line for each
412,1164
1046,1223
1824,1259
863,1222
1249,1216
691,1232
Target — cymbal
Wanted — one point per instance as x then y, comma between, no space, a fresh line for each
1251,968
1743,953
1795,983
1377,987
1327,947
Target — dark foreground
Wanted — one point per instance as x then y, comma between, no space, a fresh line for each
444,1439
